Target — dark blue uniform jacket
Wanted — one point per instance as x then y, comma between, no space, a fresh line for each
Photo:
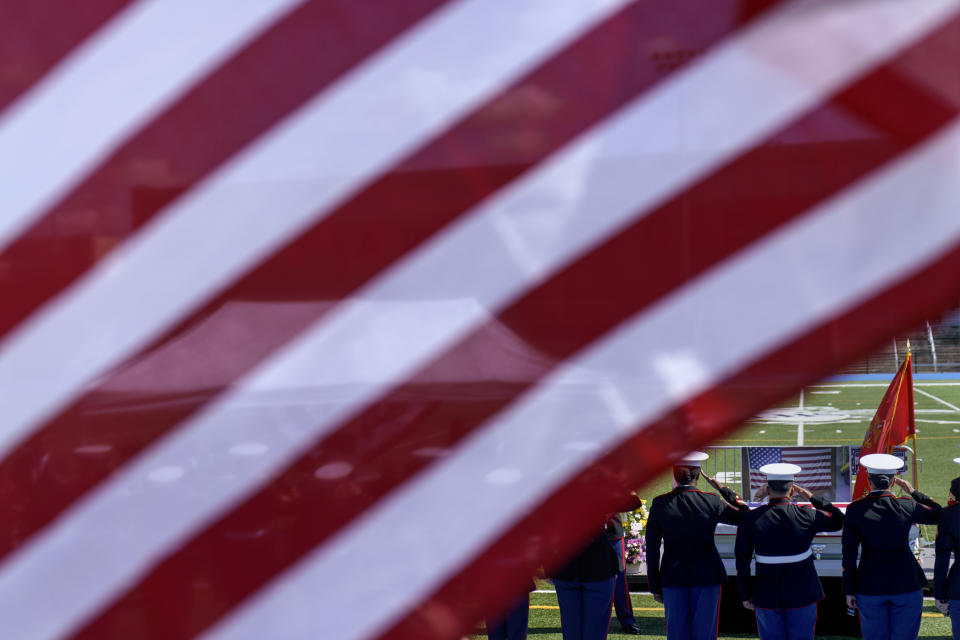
596,561
781,528
946,585
879,524
685,520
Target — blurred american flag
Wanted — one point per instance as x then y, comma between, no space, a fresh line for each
338,318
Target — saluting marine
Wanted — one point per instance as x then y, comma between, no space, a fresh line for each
585,586
689,580
585,590
946,578
887,585
786,589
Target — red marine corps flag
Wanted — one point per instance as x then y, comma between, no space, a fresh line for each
892,424
338,318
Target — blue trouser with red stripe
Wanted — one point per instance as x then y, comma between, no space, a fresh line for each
621,592
895,617
692,612
787,624
584,608
513,624
955,618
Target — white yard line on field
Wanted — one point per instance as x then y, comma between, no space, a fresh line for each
800,425
883,384
940,400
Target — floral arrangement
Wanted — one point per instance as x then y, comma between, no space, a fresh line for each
634,523
636,550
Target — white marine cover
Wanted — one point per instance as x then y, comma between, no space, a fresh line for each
780,471
881,463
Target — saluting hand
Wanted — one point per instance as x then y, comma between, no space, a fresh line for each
806,493
713,483
900,482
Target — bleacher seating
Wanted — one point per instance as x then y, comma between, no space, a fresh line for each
946,337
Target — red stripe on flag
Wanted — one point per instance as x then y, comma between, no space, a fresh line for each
329,261
494,577
242,99
38,34
678,241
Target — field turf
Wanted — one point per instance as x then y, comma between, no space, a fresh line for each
837,413
545,620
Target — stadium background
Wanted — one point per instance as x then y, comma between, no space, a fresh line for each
855,393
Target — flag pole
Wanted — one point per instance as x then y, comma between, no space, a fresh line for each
916,476
916,482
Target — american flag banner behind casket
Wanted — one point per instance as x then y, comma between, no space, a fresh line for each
816,466
339,318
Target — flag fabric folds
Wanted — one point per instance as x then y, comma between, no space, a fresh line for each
340,318
892,424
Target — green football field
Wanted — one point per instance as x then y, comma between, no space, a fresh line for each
837,413
831,413
544,621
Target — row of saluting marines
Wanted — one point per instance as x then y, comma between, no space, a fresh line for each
885,585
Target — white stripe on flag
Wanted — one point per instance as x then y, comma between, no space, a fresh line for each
272,190
250,208
802,276
163,516
128,72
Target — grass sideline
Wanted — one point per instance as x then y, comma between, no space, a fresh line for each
545,620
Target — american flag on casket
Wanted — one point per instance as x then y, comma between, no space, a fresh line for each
339,318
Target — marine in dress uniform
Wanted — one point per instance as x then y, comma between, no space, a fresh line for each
946,578
786,589
690,576
621,592
585,591
887,584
